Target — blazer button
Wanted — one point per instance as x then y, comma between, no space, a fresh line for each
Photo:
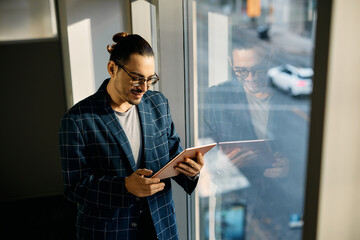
137,199
134,224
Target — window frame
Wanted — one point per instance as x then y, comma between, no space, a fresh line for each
185,107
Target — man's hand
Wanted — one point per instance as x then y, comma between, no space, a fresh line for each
140,186
240,157
191,167
280,167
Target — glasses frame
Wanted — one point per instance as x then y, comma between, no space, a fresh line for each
141,80
244,71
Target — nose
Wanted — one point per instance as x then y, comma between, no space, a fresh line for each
249,77
143,87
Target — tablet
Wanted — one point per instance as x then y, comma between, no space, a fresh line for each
250,153
169,169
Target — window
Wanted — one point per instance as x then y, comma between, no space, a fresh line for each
27,19
252,186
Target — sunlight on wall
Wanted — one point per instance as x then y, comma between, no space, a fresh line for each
81,59
218,48
142,25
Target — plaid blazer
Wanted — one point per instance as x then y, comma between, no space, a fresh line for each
96,157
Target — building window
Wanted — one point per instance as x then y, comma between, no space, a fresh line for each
27,19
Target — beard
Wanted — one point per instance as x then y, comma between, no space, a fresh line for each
128,95
255,85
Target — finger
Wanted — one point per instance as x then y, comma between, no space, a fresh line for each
248,155
225,149
157,187
185,172
272,172
144,172
187,168
200,159
190,162
233,153
154,188
244,159
151,180
240,162
278,163
242,156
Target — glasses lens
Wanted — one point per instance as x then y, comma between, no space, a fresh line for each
140,81
244,72
152,81
241,72
260,73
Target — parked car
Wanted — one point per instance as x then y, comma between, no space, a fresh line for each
296,81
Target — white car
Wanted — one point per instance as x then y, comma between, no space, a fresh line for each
296,81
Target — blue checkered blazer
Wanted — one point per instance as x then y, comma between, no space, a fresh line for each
96,157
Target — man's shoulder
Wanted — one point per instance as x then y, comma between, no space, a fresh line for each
90,103
226,86
82,107
225,90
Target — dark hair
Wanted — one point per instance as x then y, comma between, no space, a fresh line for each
263,53
126,45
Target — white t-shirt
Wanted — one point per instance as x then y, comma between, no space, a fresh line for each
130,122
259,111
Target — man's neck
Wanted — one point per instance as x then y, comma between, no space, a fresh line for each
117,103
259,95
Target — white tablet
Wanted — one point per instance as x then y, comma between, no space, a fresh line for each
169,169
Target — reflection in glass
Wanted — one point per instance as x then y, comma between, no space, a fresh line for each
251,191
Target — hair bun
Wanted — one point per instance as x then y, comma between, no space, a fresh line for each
117,37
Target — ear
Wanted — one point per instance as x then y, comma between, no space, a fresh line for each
230,62
112,68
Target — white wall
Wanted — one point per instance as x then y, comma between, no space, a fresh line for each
106,18
339,211
172,85
218,35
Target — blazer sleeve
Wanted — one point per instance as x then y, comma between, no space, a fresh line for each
175,148
82,184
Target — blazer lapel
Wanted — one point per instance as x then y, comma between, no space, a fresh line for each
147,130
110,120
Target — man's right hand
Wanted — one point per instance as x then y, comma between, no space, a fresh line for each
141,186
240,157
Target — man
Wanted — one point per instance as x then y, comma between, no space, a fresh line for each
241,109
113,141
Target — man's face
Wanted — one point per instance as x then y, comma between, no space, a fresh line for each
143,66
249,69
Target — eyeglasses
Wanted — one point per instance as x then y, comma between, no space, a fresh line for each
244,72
140,80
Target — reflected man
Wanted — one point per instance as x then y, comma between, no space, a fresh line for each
242,109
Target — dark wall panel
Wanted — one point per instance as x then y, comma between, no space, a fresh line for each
32,103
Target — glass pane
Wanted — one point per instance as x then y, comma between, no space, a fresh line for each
254,79
27,19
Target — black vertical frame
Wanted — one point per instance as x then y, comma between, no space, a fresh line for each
322,41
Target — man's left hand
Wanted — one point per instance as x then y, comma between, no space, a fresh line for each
191,167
